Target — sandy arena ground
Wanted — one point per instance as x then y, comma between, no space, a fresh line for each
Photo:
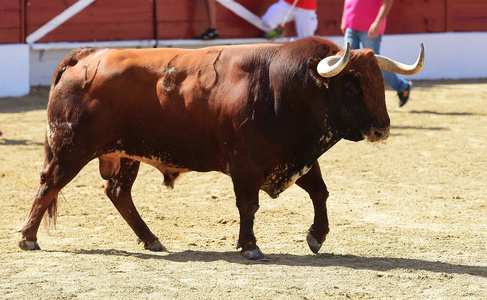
408,218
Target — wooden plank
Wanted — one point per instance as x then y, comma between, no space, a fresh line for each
10,21
105,20
57,21
186,19
229,25
183,19
413,16
329,17
466,15
9,5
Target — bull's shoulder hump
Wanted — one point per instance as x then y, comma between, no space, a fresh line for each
248,46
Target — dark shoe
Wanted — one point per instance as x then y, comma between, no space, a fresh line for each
404,96
210,34
1,132
275,33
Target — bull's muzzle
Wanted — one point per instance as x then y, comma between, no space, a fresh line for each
377,134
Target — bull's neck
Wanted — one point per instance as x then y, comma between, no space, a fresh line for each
315,128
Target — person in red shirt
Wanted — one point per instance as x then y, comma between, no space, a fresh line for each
302,12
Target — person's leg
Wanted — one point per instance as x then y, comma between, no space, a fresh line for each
211,7
367,42
211,33
274,15
397,83
351,36
306,22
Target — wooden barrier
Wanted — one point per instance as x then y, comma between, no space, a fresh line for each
103,20
466,15
10,23
110,20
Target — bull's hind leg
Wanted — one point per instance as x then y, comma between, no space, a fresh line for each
54,177
312,182
118,188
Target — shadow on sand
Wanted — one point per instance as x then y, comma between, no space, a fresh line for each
319,260
8,142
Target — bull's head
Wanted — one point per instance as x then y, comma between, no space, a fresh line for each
356,79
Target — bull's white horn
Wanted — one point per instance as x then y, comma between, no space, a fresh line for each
390,65
332,65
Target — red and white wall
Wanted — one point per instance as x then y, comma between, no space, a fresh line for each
35,34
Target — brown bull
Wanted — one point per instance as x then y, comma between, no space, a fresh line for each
262,114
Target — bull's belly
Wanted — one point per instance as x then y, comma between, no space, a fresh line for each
170,171
169,165
280,179
163,162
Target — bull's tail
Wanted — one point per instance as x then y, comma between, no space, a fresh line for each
70,60
50,216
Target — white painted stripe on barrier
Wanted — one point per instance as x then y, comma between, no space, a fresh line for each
180,43
98,44
242,12
58,20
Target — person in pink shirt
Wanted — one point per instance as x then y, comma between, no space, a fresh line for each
363,24
304,15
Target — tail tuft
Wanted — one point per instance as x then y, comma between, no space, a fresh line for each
50,217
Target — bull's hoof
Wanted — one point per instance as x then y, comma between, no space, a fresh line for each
29,245
313,244
154,246
255,254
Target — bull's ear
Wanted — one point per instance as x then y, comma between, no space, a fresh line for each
313,65
313,62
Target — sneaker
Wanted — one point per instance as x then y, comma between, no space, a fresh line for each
404,96
275,33
210,34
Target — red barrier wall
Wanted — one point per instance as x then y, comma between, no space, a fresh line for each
10,29
466,15
103,20
173,19
107,20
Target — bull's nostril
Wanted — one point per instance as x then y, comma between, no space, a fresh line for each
379,134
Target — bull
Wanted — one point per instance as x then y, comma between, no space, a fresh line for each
262,114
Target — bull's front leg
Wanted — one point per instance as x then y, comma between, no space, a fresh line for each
247,195
118,189
312,182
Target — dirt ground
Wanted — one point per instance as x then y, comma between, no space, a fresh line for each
408,218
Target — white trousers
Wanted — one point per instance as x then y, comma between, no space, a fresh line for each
305,19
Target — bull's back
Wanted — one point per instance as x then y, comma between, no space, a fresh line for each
147,103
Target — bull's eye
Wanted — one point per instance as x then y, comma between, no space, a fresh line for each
351,89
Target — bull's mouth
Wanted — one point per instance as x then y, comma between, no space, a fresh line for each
377,134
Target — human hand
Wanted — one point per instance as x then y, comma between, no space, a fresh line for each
374,30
